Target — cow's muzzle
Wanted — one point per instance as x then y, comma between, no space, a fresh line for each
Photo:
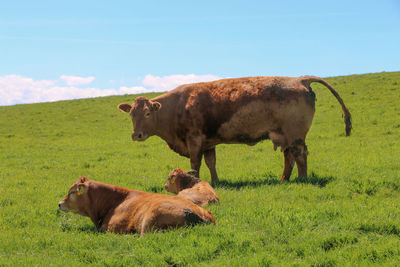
138,136
61,206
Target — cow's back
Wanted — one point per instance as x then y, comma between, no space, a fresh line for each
156,211
200,194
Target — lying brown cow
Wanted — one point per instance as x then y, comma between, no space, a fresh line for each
194,118
191,188
121,210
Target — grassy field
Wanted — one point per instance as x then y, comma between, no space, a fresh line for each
346,213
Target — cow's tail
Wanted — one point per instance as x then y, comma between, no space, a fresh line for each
307,80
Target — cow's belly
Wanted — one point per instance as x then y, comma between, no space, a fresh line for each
250,124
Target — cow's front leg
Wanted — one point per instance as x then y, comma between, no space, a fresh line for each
195,162
196,154
210,159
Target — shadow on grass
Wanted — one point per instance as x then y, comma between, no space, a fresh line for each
156,189
270,179
313,179
67,227
88,229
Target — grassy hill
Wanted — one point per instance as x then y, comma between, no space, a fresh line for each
346,213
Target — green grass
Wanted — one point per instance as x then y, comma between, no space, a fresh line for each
346,213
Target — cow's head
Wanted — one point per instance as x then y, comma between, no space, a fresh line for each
178,180
76,200
142,112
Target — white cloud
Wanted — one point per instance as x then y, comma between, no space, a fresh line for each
132,90
15,89
166,83
76,80
62,93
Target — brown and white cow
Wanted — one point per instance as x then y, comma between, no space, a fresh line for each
115,209
194,118
191,188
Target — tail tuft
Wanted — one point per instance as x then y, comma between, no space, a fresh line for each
347,121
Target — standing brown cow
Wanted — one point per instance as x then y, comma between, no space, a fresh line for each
194,118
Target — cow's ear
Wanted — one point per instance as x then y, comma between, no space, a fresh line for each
81,189
83,179
124,107
155,106
193,173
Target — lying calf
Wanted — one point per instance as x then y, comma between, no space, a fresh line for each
186,185
121,210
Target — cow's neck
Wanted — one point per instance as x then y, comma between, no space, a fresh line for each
104,199
163,119
188,182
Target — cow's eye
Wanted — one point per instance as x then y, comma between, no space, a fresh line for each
147,114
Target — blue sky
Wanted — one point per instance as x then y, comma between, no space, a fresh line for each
52,50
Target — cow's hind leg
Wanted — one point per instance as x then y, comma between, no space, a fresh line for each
278,139
300,152
289,163
210,159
